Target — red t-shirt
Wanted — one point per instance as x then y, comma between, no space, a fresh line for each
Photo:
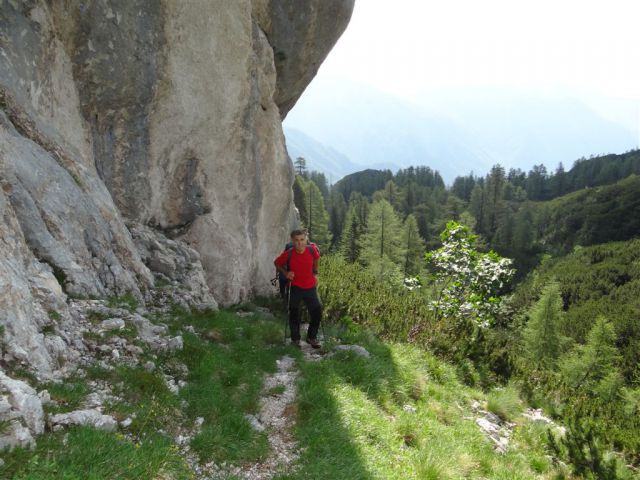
301,265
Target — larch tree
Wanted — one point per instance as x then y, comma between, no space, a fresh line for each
382,248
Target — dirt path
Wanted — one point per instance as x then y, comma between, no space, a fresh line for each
277,417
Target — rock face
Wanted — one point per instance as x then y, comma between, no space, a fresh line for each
163,114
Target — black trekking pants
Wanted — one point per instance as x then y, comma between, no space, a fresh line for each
310,298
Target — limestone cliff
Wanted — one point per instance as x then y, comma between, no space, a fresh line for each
120,115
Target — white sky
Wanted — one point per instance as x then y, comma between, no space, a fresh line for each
408,46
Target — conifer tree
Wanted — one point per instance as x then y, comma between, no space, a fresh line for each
414,247
300,165
351,233
542,339
317,218
355,225
382,249
595,361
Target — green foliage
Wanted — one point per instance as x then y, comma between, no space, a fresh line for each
598,280
468,282
593,216
504,402
354,422
365,182
591,364
348,290
543,342
94,455
225,379
355,226
313,213
127,301
300,196
300,165
582,448
382,246
68,394
414,247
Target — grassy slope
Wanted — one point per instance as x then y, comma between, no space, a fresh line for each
351,420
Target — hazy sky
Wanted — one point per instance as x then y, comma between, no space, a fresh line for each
407,46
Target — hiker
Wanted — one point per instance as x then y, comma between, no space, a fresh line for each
300,265
281,277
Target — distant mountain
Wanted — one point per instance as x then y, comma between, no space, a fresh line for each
378,131
454,131
322,158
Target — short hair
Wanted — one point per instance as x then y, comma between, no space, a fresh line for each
298,231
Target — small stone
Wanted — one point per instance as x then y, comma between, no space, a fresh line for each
149,366
45,397
115,354
176,343
85,417
357,349
409,408
255,423
112,324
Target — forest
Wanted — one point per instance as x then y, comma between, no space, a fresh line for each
526,280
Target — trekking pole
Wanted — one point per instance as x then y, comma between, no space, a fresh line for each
286,317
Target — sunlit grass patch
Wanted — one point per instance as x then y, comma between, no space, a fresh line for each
505,402
401,414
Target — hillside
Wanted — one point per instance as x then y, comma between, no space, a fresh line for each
395,413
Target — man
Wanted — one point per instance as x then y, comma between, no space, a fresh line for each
301,273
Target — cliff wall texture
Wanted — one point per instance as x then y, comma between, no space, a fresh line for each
157,116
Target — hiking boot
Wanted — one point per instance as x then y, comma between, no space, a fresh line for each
313,342
295,343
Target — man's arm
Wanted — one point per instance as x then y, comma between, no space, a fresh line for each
316,261
283,270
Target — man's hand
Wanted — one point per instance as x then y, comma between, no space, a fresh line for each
290,276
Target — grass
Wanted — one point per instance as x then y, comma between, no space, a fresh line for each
68,395
400,414
225,380
90,454
505,403
126,301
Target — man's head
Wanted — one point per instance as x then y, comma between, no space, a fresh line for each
299,240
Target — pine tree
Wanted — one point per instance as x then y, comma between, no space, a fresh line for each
301,167
382,249
414,247
317,219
